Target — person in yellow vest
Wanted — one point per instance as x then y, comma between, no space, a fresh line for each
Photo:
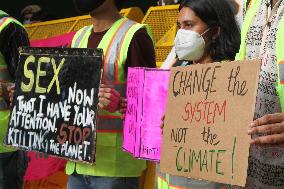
208,32
262,37
12,36
125,44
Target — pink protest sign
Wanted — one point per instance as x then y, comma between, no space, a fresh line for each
42,166
154,106
132,117
64,40
146,97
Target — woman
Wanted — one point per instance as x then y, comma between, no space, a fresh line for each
207,33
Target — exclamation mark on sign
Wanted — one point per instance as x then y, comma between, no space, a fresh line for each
233,156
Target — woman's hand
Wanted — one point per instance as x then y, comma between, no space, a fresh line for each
109,98
272,127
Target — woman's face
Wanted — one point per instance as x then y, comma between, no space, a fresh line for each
189,21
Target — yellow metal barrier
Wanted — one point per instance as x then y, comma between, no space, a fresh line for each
161,19
133,13
164,45
47,29
44,30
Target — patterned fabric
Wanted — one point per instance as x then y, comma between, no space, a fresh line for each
266,164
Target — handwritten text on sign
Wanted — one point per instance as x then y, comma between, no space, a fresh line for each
146,101
208,113
55,102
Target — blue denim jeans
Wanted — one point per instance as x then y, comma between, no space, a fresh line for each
76,181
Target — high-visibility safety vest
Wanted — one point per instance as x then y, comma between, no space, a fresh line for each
4,77
110,159
250,14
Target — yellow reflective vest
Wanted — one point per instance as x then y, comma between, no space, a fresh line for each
110,159
250,14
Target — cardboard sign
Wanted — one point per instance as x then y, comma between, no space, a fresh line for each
134,95
146,100
55,103
208,113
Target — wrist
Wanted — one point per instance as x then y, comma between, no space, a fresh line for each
1,90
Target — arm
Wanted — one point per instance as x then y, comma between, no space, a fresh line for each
141,54
11,38
141,51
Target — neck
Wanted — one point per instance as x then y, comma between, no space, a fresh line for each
204,60
104,19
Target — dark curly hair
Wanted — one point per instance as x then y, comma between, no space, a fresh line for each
218,13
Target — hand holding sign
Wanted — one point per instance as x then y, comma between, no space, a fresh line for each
55,105
109,98
272,127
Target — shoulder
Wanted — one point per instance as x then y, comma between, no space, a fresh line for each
85,28
79,33
138,30
14,28
141,34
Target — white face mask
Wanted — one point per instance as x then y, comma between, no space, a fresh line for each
189,45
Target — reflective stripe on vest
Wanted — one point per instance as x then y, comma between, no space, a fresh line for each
82,34
110,74
279,46
2,21
112,44
113,52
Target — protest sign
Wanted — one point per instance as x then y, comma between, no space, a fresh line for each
146,100
134,94
49,165
208,113
55,103
63,40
